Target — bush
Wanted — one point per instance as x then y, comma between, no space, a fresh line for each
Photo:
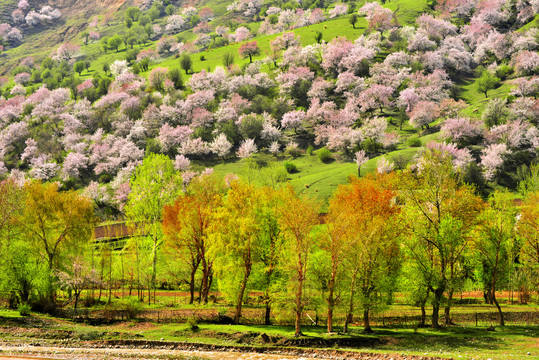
309,151
125,308
24,309
281,175
290,167
414,142
325,155
503,71
192,323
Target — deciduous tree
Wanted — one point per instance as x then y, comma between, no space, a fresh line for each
434,199
56,224
297,217
154,184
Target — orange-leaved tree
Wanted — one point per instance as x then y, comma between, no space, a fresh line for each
186,225
363,230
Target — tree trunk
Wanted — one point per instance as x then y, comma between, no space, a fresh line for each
206,270
349,315
447,309
366,323
502,321
239,302
192,286
331,302
299,305
438,293
267,318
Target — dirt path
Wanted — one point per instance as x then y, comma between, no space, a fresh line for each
49,352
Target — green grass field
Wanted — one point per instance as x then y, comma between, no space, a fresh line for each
457,342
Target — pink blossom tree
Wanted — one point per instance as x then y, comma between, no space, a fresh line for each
408,98
66,51
22,78
220,146
247,148
376,97
74,164
170,137
424,113
361,158
249,49
463,131
384,166
492,159
242,34
293,119
182,163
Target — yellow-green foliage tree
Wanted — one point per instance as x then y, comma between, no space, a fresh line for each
297,218
234,240
528,232
56,224
434,200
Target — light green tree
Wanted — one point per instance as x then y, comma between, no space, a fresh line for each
487,82
433,197
154,184
494,243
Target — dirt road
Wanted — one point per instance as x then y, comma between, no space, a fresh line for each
46,352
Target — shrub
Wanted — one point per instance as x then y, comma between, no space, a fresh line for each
281,175
325,155
130,308
192,323
24,309
290,167
414,142
503,71
309,151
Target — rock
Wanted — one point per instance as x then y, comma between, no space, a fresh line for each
265,338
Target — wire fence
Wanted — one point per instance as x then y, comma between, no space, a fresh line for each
256,316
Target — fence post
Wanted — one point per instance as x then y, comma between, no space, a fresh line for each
475,319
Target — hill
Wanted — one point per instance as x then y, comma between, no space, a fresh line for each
256,87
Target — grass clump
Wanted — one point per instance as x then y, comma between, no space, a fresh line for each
24,309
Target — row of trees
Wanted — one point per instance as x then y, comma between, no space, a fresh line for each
422,230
